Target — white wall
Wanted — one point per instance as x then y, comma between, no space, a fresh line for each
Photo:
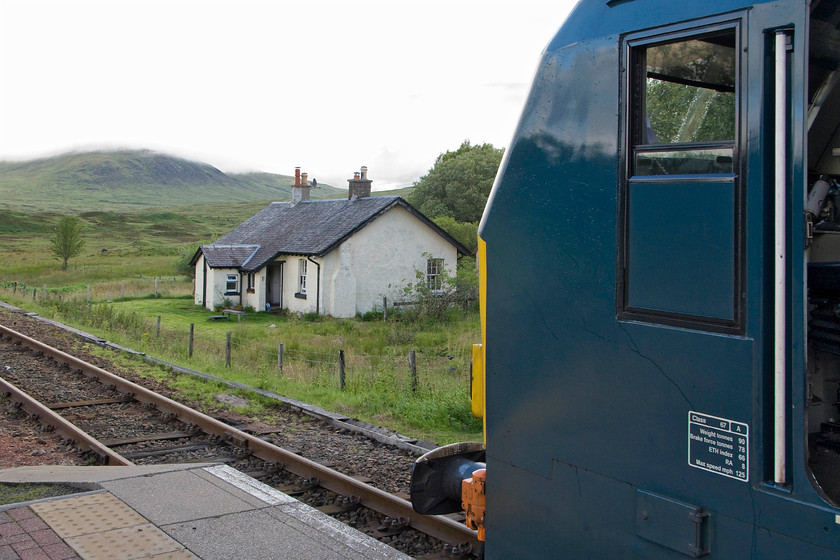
216,285
389,250
291,272
257,298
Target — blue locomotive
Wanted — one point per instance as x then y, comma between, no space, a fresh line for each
660,263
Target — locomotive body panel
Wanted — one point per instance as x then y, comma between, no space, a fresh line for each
629,296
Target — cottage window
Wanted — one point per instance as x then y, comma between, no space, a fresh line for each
681,264
434,281
302,277
251,282
232,284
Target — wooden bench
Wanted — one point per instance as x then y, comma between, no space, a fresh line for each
219,318
239,314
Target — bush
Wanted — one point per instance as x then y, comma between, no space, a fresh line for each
185,254
370,316
459,292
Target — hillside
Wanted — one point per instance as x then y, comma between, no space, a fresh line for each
132,180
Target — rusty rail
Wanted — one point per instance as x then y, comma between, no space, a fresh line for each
69,431
439,527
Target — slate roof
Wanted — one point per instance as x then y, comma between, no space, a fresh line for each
308,228
228,256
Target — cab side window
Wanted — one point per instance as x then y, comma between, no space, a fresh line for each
680,200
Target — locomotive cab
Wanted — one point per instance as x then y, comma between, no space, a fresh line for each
822,255
661,289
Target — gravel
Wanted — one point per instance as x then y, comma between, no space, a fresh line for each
23,442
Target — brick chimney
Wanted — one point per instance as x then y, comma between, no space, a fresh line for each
300,190
359,185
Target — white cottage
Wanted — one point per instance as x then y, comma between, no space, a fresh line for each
333,257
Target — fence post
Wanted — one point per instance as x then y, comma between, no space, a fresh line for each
34,293
157,331
88,292
227,351
412,367
14,290
192,335
280,358
384,309
156,282
341,368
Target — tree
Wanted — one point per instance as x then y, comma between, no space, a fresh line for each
67,241
459,183
185,254
465,233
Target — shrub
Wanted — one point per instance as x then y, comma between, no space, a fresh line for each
442,304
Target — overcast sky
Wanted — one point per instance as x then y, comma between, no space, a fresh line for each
266,86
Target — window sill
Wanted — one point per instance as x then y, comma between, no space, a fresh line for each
231,293
300,295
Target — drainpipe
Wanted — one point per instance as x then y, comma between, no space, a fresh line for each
317,285
204,282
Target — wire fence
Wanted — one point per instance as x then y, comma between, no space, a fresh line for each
267,361
140,286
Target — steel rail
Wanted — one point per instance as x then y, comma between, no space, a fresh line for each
69,431
378,500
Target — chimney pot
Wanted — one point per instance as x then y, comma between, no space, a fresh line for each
359,185
300,192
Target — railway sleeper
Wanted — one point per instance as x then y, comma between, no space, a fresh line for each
91,402
167,451
299,488
114,442
341,504
448,552
389,527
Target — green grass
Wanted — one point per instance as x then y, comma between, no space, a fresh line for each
126,252
19,493
378,382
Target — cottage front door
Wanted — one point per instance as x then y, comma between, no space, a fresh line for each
275,285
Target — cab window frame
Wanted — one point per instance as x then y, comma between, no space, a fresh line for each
632,145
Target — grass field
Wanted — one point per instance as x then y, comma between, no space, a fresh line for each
110,291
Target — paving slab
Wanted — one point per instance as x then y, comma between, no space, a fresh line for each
83,515
128,543
176,496
315,524
180,512
243,486
57,474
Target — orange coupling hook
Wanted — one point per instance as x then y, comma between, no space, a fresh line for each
472,497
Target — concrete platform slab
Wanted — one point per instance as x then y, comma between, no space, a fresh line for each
251,535
176,496
69,475
76,516
186,512
128,543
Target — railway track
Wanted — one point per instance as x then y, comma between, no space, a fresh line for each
117,422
